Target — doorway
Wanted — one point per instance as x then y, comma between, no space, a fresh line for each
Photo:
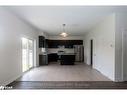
27,54
91,53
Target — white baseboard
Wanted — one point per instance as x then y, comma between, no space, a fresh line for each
103,73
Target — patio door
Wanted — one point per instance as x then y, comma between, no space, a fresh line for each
27,54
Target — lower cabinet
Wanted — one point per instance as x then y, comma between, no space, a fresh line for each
43,60
53,57
63,59
67,59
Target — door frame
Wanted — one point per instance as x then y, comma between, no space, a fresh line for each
94,51
91,53
34,52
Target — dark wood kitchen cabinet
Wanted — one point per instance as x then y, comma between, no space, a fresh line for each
66,43
53,57
67,59
69,44
52,43
43,60
42,42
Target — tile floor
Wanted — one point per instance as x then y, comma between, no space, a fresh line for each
57,72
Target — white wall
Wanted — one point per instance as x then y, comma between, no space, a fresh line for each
103,35
121,47
11,31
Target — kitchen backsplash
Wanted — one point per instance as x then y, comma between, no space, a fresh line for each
55,50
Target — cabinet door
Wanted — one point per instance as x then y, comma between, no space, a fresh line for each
49,43
61,42
52,57
78,42
55,43
46,43
41,41
52,44
66,43
42,60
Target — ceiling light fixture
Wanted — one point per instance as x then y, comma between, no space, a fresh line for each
64,34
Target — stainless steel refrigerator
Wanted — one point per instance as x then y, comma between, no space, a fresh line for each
79,51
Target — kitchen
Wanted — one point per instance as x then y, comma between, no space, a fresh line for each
64,52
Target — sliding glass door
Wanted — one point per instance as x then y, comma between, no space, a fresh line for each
27,54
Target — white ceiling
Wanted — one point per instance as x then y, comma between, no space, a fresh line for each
78,19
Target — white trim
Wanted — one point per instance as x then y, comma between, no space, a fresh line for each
122,72
124,78
35,53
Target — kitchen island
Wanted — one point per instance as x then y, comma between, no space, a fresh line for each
67,58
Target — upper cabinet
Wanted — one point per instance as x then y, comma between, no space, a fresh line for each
42,42
52,44
65,43
47,43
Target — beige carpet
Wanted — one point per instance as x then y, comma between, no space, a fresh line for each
57,72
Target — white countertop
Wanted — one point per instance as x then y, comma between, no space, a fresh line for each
67,54
58,54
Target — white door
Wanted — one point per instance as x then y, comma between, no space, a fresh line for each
94,53
27,54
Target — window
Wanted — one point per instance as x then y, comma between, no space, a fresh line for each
27,54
